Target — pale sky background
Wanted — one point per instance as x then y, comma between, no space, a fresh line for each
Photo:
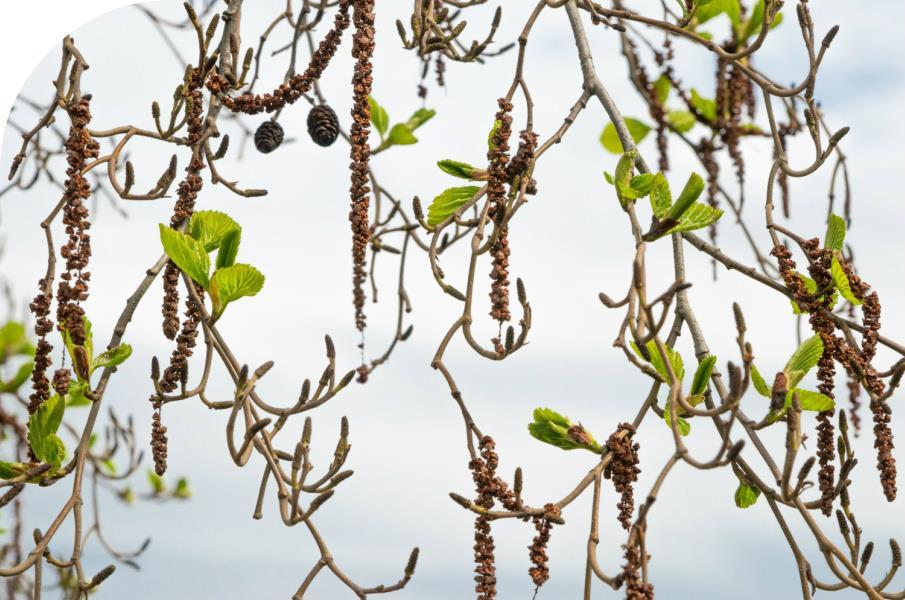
568,244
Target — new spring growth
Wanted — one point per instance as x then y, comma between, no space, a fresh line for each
553,428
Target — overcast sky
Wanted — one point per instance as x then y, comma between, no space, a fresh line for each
568,244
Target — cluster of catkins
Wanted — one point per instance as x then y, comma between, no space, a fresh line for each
858,364
491,488
73,287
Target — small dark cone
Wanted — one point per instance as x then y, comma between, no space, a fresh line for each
323,126
268,137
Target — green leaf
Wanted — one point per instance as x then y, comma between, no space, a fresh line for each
684,426
419,118
681,120
642,184
709,10
210,226
660,196
759,384
705,106
697,217
456,168
557,430
76,396
54,451
609,178
692,190
158,485
610,138
624,169
401,135
835,233
231,283
379,116
809,400
702,374
182,490
804,359
44,423
229,249
112,357
187,253
746,495
444,205
675,360
88,347
496,125
662,87
8,470
21,376
840,280
14,341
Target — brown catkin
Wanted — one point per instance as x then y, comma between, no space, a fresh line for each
498,159
289,91
359,191
623,470
537,551
158,442
635,586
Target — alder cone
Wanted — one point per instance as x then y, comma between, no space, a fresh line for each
323,126
268,136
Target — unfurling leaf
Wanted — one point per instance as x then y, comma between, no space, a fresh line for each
759,384
444,205
840,280
702,375
187,253
555,429
809,400
457,168
705,106
835,233
42,429
746,495
662,87
683,425
681,120
231,283
675,360
229,249
401,135
379,117
112,357
610,138
210,226
804,359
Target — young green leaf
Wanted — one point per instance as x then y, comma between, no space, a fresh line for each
702,374
44,423
683,425
675,360
809,400
642,184
76,396
229,249
662,87
182,490
610,138
448,202
53,452
840,280
457,168
158,485
401,135
692,190
697,217
14,341
112,357
660,196
420,117
709,10
835,233
555,429
210,226
705,106
21,376
681,120
8,470
759,384
804,359
231,283
746,495
379,117
187,253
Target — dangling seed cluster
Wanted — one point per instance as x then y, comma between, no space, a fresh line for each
268,136
635,587
623,470
537,551
323,126
158,443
